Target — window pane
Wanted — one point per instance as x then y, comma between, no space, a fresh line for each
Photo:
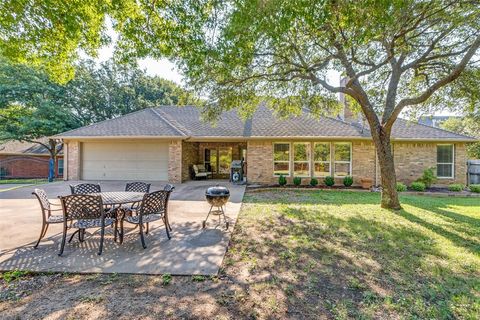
281,151
342,151
445,153
321,169
301,152
321,152
342,169
301,169
281,168
60,166
444,170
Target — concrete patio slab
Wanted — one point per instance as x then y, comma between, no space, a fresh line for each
192,250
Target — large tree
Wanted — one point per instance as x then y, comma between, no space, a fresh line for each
396,54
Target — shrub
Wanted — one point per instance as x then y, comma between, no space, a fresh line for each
348,181
401,187
428,177
418,186
475,188
329,181
297,181
282,180
457,187
314,182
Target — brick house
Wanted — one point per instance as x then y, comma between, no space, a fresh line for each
163,143
20,160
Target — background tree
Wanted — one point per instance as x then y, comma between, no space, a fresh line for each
112,89
468,125
33,107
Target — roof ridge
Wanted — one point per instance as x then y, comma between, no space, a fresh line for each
162,115
437,128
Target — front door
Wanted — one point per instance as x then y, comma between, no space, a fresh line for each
219,161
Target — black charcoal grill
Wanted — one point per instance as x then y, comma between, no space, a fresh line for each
217,197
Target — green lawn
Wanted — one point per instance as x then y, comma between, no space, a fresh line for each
340,254
302,254
25,181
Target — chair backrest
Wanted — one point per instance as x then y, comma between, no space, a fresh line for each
82,206
201,168
154,203
43,199
85,188
195,169
138,187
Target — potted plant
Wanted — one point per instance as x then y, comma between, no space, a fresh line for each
367,183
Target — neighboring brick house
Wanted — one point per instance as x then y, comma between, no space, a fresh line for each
26,160
163,143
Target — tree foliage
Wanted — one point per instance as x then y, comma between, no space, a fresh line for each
468,125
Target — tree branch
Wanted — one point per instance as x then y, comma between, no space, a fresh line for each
454,74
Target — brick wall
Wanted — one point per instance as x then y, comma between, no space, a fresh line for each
411,159
73,159
260,162
190,156
21,166
363,161
175,161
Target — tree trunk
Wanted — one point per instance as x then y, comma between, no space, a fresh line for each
387,169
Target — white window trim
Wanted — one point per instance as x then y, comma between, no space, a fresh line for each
328,161
335,162
450,163
289,161
309,146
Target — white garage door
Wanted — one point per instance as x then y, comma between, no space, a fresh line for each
125,160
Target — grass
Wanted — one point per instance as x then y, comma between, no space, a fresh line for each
24,181
341,253
303,254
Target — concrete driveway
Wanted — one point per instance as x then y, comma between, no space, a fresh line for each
192,250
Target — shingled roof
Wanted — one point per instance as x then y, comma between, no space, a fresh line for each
185,122
25,148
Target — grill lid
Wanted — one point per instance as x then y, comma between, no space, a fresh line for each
217,191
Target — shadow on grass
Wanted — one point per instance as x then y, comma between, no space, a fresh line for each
366,264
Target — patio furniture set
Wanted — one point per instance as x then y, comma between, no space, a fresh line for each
88,207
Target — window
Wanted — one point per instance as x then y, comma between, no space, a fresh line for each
281,159
321,159
342,159
60,167
301,159
445,160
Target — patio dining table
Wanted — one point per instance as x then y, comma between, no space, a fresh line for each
114,198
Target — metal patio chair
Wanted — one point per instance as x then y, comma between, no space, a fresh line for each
86,211
85,188
169,188
152,208
138,187
47,216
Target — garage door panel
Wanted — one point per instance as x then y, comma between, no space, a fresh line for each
125,161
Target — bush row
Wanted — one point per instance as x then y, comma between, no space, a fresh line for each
420,186
328,181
